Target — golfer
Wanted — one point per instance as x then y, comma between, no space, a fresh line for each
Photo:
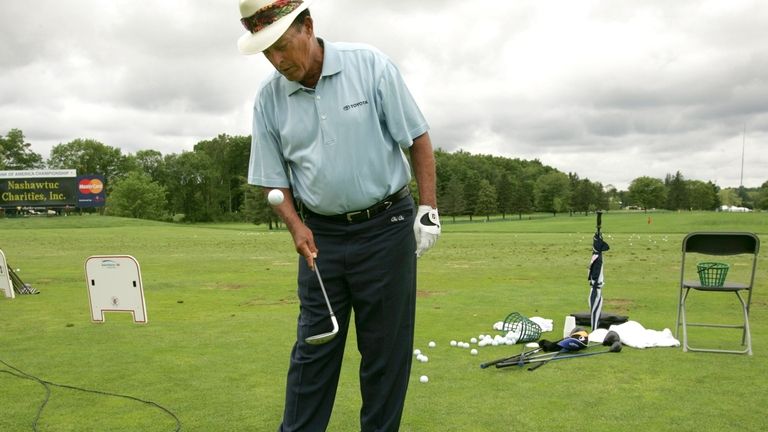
330,127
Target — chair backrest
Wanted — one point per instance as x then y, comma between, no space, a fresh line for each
721,243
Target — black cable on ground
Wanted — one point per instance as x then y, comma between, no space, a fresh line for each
23,375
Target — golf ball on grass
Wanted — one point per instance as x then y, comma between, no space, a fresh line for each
432,344
424,379
275,197
473,352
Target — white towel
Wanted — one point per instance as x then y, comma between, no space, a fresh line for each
545,323
633,334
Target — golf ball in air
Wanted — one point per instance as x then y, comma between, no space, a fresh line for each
275,196
424,379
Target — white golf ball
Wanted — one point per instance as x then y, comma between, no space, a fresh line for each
275,197
473,352
473,340
453,343
432,344
424,379
417,352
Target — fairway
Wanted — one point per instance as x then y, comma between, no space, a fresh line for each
222,307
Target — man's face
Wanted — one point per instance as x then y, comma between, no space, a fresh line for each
290,54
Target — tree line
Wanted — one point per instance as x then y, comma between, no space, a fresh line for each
209,183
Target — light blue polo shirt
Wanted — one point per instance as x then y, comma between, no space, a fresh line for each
339,146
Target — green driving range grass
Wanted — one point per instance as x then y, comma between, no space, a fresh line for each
222,309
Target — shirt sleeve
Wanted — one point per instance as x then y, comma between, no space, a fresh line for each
403,118
266,166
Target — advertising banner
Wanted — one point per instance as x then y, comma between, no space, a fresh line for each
38,188
91,191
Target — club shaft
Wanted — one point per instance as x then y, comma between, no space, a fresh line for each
322,288
514,358
563,357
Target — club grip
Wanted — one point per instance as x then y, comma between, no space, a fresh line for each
599,218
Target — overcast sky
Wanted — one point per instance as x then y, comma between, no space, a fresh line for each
611,90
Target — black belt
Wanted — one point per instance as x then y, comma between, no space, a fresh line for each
365,214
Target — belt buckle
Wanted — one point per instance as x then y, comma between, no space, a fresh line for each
350,216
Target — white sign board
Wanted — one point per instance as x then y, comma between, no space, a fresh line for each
114,285
6,285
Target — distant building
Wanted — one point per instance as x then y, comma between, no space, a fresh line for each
734,209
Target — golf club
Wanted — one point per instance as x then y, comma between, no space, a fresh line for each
519,359
615,347
513,359
541,362
611,339
324,337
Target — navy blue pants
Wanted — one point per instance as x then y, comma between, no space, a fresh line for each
368,268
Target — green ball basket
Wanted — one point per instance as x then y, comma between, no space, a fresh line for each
529,330
712,274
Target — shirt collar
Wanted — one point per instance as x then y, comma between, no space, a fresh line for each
331,66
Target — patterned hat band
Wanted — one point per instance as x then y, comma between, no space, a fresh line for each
269,14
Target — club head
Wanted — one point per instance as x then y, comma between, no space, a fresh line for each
324,337
610,338
615,347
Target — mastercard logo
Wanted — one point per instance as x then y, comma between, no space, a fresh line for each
90,186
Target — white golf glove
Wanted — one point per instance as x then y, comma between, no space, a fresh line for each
426,227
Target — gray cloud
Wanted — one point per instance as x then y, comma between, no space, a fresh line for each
638,88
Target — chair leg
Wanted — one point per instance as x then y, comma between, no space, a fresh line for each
677,319
746,338
682,315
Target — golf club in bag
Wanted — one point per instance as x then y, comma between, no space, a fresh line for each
322,338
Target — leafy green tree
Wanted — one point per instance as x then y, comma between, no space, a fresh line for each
186,180
746,199
552,192
150,162
136,196
729,197
486,200
471,192
648,192
522,197
585,196
229,158
677,192
612,198
16,154
452,201
702,196
89,156
762,197
256,209
506,194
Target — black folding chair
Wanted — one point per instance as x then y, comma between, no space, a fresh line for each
718,244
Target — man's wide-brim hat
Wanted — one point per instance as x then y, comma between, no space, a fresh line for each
266,21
